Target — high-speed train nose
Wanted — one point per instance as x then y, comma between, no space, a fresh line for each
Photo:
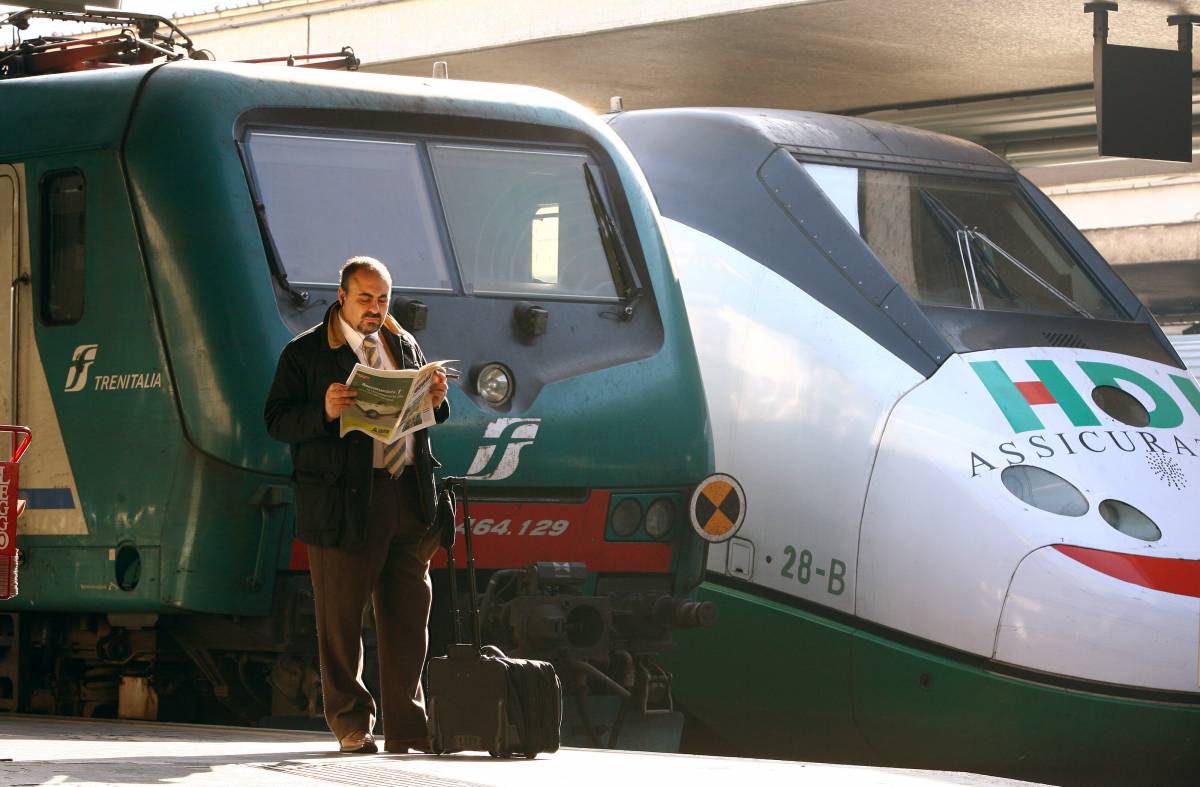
1125,619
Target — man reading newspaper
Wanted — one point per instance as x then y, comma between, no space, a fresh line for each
364,507
390,404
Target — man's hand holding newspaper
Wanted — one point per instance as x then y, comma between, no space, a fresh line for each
390,403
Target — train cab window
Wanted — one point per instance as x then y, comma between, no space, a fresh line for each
522,222
64,197
329,198
544,237
963,241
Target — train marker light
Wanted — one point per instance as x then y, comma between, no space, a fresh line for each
1126,519
660,517
718,508
1045,490
626,517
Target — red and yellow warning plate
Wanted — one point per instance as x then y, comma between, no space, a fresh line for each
718,508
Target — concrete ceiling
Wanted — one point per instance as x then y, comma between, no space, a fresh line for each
834,56
1014,75
1011,74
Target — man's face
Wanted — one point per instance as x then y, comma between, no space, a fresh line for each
365,301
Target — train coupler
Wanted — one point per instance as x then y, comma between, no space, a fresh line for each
652,690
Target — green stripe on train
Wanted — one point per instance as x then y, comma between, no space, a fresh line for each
768,670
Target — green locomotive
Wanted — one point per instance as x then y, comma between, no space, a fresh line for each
167,228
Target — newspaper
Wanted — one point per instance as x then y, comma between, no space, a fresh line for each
390,404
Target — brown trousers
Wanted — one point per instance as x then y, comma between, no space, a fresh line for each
392,569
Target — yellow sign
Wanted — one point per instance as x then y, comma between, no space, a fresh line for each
718,508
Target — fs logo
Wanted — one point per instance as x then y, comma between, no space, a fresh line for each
512,434
1017,399
81,361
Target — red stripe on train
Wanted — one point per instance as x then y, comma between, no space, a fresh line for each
508,535
1170,575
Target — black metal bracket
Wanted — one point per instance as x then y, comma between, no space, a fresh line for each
1184,22
1101,9
412,313
531,319
1100,20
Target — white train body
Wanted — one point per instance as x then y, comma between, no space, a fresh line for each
949,554
872,436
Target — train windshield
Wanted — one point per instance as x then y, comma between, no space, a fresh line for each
520,221
963,241
330,198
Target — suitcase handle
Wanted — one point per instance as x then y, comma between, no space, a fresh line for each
453,483
445,520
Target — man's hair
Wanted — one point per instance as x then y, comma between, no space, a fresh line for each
356,264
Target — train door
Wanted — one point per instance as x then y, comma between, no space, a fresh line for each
46,479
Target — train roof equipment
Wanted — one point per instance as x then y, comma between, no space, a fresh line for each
140,39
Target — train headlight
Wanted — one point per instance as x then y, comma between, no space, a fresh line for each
660,518
494,384
1126,519
626,517
1045,490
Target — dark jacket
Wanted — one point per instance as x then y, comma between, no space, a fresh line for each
332,474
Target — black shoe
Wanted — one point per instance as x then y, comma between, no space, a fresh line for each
419,745
358,743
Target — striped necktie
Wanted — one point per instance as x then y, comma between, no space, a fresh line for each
393,454
371,350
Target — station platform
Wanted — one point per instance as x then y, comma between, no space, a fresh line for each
38,750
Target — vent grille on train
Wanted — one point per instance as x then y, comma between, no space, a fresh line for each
1188,347
1065,340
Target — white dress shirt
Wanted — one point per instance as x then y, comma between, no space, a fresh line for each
355,340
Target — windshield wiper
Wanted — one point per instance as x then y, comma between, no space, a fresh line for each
977,267
614,246
1057,293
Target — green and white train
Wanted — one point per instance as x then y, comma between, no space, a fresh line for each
166,229
970,460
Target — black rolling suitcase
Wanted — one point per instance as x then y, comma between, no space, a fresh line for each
479,699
